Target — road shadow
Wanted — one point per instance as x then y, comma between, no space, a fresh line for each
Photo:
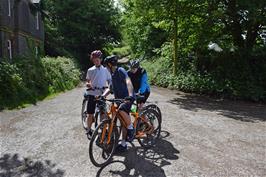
238,110
142,162
11,165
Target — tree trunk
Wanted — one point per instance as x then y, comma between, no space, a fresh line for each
252,34
175,41
175,48
235,26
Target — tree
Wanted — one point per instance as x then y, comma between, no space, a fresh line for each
192,25
142,18
78,27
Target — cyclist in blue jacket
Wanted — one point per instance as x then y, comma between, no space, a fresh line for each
139,79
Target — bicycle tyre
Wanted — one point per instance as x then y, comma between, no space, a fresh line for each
154,119
84,113
154,107
106,149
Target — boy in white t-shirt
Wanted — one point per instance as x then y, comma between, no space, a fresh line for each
97,77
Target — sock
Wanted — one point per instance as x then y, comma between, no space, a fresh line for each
123,143
130,126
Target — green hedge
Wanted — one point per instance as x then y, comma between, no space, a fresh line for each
28,79
236,80
61,73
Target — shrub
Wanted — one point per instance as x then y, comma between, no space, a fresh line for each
61,73
226,75
29,79
121,51
11,84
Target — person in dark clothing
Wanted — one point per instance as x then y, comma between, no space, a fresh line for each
139,79
122,89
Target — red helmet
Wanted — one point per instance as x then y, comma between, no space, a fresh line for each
96,54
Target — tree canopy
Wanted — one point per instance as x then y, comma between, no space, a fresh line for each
210,46
77,27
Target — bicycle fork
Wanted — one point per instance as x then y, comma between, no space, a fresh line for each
108,127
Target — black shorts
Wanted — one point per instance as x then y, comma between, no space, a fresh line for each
91,104
125,107
146,96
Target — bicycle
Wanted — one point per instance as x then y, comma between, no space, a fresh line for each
153,107
99,108
105,137
149,106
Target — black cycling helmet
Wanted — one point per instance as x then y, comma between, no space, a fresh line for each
111,59
134,64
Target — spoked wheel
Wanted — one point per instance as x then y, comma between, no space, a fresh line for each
84,116
84,113
100,150
148,132
154,107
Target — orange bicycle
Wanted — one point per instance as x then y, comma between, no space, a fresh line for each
105,137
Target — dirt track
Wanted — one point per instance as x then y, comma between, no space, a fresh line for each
200,137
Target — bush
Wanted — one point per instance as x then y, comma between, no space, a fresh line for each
226,75
121,51
61,73
29,79
32,73
11,84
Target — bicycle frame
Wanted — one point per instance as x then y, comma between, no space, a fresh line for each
115,115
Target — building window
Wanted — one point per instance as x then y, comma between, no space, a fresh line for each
37,21
9,8
36,51
9,48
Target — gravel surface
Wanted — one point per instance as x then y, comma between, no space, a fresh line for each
201,136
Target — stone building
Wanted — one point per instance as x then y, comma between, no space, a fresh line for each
21,28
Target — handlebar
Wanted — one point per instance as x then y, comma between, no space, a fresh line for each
117,101
101,99
97,88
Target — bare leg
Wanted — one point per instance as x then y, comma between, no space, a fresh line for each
126,118
127,123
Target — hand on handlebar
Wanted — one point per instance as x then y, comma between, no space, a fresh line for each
89,86
130,99
100,97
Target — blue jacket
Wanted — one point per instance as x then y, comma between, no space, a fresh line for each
140,81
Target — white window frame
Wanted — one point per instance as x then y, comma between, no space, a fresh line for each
9,48
9,8
37,21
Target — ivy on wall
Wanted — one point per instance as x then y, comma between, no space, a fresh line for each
32,44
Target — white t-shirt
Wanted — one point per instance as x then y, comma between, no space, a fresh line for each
99,77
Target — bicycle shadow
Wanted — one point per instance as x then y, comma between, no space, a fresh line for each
13,165
142,162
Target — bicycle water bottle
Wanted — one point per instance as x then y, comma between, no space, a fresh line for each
133,108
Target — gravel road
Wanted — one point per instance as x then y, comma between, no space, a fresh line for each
200,136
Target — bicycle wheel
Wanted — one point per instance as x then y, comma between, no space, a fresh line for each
146,136
154,107
100,151
84,113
